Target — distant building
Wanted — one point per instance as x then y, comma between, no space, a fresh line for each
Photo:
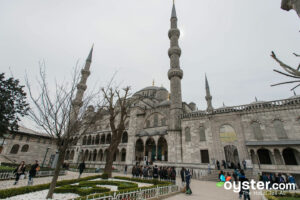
27,145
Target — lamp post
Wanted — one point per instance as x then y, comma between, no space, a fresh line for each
45,156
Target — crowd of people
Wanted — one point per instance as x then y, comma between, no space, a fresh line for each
20,172
276,178
163,173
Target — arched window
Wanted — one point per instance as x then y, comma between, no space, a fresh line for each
97,139
187,134
280,132
108,139
15,149
123,155
94,155
257,131
89,141
84,140
264,156
155,120
125,137
103,139
25,148
202,134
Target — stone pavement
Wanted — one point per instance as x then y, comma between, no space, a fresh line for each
4,184
207,190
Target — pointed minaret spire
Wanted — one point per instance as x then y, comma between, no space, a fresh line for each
173,11
81,86
208,97
89,58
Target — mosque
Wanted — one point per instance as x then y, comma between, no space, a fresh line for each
167,131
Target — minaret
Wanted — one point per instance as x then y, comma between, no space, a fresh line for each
175,74
208,97
81,87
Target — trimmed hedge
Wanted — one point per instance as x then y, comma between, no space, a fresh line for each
156,183
281,195
90,187
27,189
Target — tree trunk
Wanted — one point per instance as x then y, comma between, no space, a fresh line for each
61,158
110,157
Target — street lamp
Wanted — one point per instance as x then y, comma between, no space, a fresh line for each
45,156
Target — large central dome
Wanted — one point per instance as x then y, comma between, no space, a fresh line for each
160,93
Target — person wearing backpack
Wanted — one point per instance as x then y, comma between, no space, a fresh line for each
188,181
32,172
20,170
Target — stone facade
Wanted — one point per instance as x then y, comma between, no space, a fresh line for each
28,145
167,131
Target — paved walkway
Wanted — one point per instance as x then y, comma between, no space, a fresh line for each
4,184
207,190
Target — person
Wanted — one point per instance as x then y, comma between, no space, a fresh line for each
32,172
218,165
182,174
243,191
244,164
208,168
20,170
173,174
292,180
228,177
81,167
125,170
221,176
155,172
188,180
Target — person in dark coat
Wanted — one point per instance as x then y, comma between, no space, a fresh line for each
20,170
81,167
182,174
218,165
155,172
188,180
32,172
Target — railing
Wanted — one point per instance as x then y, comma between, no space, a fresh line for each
140,194
247,108
11,175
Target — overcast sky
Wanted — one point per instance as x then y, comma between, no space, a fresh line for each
229,40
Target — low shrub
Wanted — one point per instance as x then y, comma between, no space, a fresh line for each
80,189
91,187
104,176
27,189
156,183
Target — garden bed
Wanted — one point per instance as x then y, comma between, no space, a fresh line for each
84,188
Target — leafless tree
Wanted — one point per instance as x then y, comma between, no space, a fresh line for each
289,72
59,115
117,103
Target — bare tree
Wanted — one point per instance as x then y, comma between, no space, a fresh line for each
117,103
61,114
291,5
289,72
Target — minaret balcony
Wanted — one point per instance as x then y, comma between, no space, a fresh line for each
174,50
174,32
175,72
